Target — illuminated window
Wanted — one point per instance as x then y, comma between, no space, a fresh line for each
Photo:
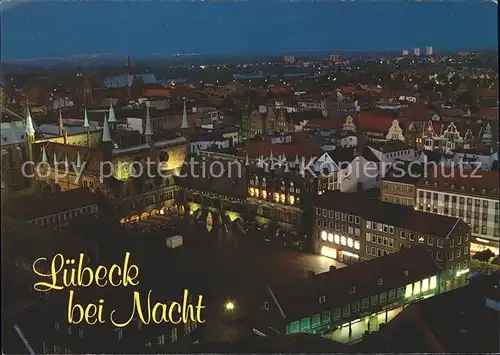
330,237
252,191
276,197
349,242
264,194
257,192
343,240
292,200
356,245
425,285
282,199
433,283
337,239
408,291
416,288
323,235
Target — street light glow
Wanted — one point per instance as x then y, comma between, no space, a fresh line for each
229,306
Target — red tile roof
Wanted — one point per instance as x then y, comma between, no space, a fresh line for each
369,123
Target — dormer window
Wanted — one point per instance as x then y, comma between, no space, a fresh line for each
435,184
473,189
352,290
266,306
380,281
452,186
322,299
426,182
483,191
463,188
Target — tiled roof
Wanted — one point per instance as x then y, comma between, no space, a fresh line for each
389,213
300,298
369,123
32,207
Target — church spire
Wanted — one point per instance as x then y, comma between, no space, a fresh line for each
78,160
61,124
148,132
86,120
112,117
86,125
44,155
184,124
106,137
30,130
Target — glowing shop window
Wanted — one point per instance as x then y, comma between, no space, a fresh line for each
425,285
323,235
257,192
264,194
343,240
276,197
337,239
330,237
329,252
282,198
292,200
416,288
356,245
433,283
408,291
349,242
252,191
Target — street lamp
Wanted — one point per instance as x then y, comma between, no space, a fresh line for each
229,306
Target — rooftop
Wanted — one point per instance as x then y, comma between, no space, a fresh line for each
462,181
31,207
299,298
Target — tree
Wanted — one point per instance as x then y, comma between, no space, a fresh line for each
484,255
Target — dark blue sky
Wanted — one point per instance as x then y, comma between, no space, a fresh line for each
65,28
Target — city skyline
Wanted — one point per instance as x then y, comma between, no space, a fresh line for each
193,27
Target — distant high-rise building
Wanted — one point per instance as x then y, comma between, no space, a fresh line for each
428,51
406,52
289,59
335,58
416,52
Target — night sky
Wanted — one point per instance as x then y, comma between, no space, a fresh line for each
140,28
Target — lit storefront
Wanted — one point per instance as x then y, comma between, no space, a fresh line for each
480,244
337,252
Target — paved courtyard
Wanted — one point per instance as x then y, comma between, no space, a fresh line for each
235,268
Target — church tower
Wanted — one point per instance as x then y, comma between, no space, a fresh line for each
148,131
111,115
30,139
87,127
